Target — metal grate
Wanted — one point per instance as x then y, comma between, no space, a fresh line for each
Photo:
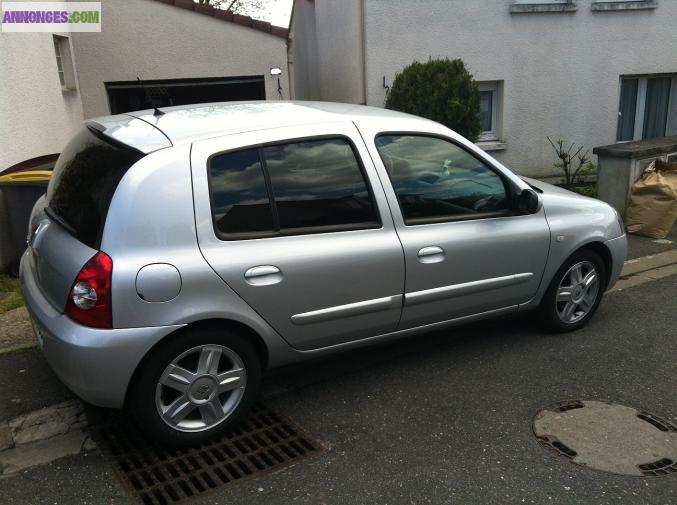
568,405
656,421
262,442
661,467
553,443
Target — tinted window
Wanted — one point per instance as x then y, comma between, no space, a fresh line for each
84,180
435,179
318,183
240,202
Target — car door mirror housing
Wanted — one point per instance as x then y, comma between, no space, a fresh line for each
527,202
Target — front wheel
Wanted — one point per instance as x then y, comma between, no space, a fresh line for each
194,387
574,293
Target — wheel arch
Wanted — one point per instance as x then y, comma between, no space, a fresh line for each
603,252
223,324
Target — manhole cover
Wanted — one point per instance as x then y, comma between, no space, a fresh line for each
609,437
261,443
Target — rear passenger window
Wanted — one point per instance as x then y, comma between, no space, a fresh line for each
240,202
293,188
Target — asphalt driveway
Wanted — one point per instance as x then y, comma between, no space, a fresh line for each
445,418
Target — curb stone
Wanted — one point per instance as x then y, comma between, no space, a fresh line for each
43,424
43,436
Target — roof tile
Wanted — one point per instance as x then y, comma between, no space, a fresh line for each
223,15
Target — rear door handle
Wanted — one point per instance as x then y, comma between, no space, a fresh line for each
263,275
431,254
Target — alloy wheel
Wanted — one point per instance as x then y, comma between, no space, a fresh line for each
200,388
577,292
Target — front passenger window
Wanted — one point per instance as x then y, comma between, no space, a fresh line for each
436,180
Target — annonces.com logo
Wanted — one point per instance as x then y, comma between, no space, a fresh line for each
51,16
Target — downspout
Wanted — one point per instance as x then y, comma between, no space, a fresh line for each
290,57
363,45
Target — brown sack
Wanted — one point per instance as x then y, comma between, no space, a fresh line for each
653,201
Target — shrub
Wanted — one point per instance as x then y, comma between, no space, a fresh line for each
442,90
575,167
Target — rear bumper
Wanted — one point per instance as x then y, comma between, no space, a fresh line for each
97,365
619,252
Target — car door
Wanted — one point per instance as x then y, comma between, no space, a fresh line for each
291,220
466,251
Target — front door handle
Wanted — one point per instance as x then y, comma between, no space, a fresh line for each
431,254
263,275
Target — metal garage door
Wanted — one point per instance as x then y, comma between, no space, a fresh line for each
125,96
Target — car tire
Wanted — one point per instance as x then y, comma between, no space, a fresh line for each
196,386
569,302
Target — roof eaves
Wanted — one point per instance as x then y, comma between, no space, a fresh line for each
223,15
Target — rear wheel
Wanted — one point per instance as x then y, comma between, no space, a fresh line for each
195,387
574,293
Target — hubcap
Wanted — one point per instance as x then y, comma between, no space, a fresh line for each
200,388
577,292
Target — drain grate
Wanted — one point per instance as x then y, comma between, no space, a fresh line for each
656,421
262,442
567,405
661,467
562,449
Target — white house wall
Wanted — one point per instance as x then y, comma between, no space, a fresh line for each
155,41
303,49
36,116
560,71
339,50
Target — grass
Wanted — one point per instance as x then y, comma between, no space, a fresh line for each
10,294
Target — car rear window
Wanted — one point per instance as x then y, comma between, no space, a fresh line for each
310,186
84,180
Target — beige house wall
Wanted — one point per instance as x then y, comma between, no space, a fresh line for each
151,40
37,117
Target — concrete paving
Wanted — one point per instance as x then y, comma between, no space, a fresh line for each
643,246
15,331
445,417
27,384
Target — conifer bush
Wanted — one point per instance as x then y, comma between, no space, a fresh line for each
441,90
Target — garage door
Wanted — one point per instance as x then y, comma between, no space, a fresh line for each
126,96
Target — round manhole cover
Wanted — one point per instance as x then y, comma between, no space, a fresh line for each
609,437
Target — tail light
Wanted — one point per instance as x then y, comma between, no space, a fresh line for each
89,302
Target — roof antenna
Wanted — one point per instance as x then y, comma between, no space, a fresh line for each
156,112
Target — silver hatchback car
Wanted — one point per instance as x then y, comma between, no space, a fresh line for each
178,254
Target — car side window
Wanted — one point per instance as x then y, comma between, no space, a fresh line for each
290,188
240,202
435,180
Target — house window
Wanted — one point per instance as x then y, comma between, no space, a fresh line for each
526,6
64,63
647,107
490,107
59,60
623,5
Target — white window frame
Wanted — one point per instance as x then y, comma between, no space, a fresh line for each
493,133
59,59
640,105
64,62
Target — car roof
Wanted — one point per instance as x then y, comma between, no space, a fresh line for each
147,132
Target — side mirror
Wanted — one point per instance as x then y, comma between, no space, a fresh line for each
528,202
